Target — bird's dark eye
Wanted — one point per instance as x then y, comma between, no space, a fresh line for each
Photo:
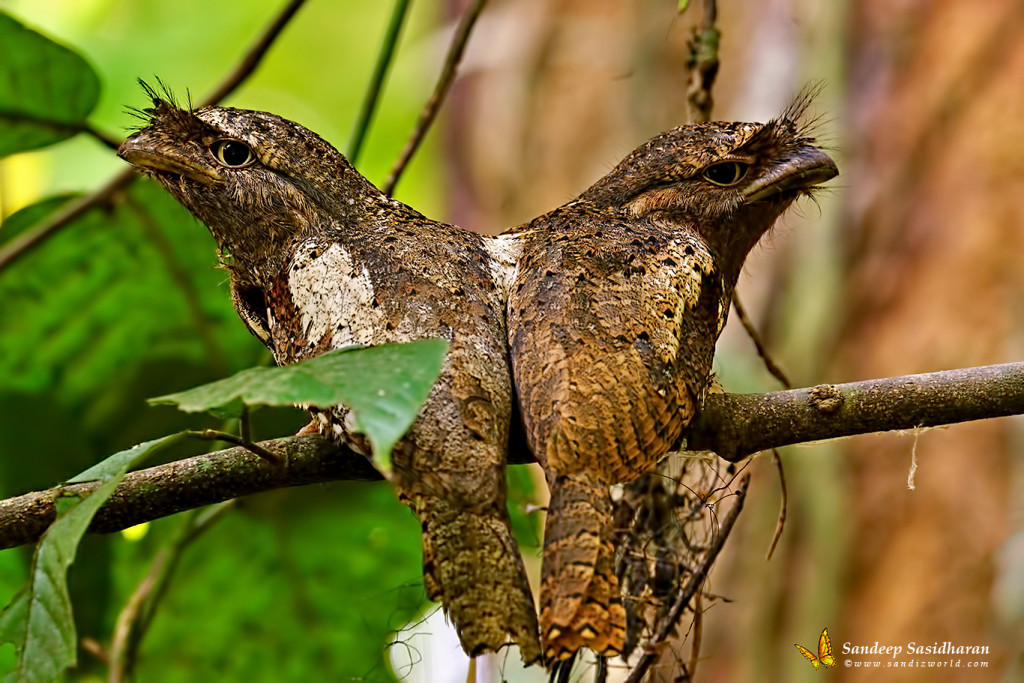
232,153
726,173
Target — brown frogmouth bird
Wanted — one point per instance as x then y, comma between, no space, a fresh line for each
616,302
318,258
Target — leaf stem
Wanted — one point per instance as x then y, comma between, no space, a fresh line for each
234,439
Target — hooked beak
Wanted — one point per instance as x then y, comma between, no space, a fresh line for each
150,154
809,167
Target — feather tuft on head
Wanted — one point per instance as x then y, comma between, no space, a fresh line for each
164,107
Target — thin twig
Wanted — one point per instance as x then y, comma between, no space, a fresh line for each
780,523
235,440
119,664
698,637
380,71
136,616
102,136
703,64
433,105
769,363
669,621
71,212
62,127
253,55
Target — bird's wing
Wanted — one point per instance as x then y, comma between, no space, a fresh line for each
611,329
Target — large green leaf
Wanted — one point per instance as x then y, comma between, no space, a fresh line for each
46,90
323,573
39,620
384,386
111,291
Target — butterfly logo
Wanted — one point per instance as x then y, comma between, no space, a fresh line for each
824,657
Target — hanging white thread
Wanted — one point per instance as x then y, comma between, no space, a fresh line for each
913,461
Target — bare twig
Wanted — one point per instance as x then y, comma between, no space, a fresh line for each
669,621
698,636
433,105
380,71
71,212
137,614
732,425
240,441
127,618
254,55
780,523
703,64
102,136
766,358
62,127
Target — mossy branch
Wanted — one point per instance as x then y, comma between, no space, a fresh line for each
732,425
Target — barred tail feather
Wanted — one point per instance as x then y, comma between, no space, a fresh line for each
580,601
472,565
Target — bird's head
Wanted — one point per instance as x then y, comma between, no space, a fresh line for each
256,180
727,181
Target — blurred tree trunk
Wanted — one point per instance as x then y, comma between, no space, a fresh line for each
932,247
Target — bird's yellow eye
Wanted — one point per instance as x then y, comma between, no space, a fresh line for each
726,173
232,153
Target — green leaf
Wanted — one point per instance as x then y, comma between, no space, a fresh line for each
46,90
101,298
23,219
325,573
384,386
683,5
39,619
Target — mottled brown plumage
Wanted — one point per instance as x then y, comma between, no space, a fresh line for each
613,315
318,259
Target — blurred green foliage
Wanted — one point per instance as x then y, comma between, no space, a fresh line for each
127,303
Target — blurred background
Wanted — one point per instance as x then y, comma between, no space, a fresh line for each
910,262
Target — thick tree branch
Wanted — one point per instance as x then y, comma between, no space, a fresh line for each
736,425
732,425
186,484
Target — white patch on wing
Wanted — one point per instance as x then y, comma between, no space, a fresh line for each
505,252
334,297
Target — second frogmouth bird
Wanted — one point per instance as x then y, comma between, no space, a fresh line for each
616,302
318,258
